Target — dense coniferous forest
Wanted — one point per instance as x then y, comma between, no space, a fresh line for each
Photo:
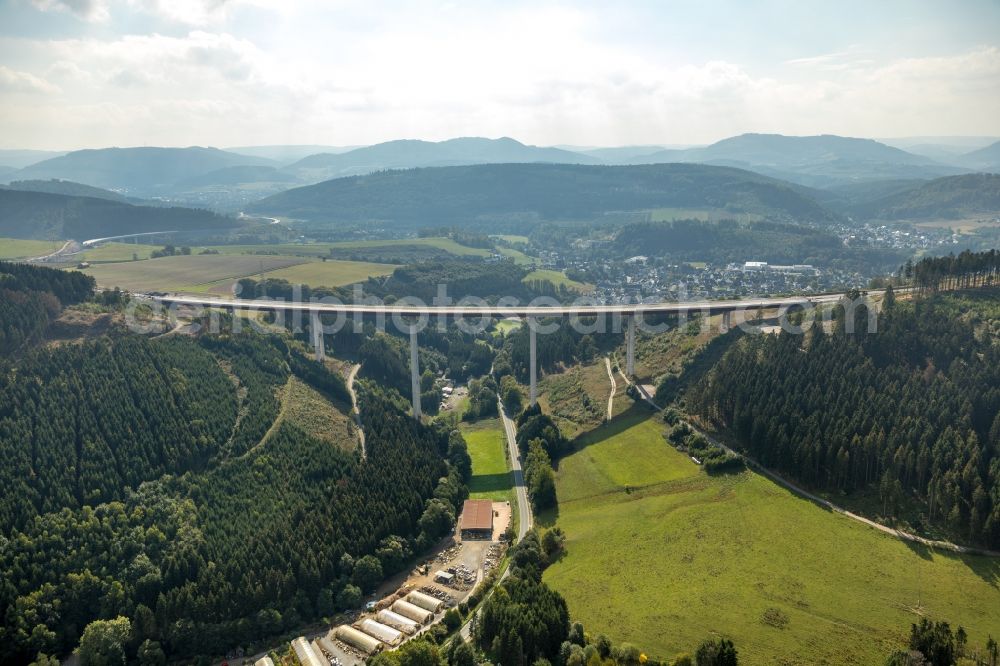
43,215
479,197
31,296
150,479
910,411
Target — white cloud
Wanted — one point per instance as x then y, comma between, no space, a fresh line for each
23,82
361,73
88,10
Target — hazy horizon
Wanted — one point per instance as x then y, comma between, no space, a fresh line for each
92,73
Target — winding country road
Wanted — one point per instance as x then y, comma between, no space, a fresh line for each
355,412
614,387
525,518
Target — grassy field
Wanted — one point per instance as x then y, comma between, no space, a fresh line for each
510,238
331,273
185,273
558,278
322,249
703,214
13,248
216,273
490,476
109,252
662,555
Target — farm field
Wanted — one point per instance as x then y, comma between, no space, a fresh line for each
491,478
195,273
15,248
703,214
331,273
216,273
558,278
109,252
662,555
322,249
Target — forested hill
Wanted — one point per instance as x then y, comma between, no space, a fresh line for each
43,215
478,195
954,197
31,296
911,412
154,480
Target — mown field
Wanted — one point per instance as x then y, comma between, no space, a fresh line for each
216,273
662,555
491,478
558,278
109,252
331,273
14,248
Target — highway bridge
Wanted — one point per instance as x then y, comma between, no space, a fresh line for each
531,312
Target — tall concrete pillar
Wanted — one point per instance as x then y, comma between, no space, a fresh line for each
630,347
533,356
316,326
415,372
727,321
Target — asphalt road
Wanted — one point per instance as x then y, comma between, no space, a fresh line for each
523,507
525,519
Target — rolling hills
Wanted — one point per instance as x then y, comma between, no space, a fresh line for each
138,171
42,215
816,161
482,194
952,197
412,153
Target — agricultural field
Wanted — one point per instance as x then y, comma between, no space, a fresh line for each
14,248
558,278
324,249
662,555
703,214
217,273
196,273
112,252
331,273
513,239
491,478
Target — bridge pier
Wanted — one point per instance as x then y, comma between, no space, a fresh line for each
630,347
316,326
415,372
727,321
533,356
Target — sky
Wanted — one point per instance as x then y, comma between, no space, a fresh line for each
94,73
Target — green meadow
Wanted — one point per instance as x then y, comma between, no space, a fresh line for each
662,555
491,478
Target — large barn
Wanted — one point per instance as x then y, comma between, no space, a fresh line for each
477,519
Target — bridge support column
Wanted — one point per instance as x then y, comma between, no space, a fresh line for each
630,347
316,326
533,355
727,321
415,372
